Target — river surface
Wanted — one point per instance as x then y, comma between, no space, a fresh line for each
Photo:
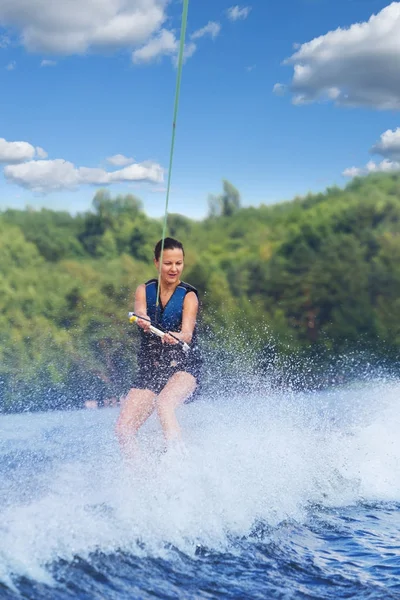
289,495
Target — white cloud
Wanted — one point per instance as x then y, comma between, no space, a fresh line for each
353,172
48,63
4,41
119,160
15,152
236,12
77,26
212,29
11,65
358,66
40,153
46,176
188,51
162,44
43,175
146,171
74,26
27,167
385,166
333,93
279,89
388,147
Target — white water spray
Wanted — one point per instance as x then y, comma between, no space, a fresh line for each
247,460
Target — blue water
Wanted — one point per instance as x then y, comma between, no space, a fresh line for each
272,496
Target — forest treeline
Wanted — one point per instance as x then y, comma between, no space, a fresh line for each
319,275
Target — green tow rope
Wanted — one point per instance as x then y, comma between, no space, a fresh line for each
171,156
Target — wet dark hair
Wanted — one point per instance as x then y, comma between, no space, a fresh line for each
169,244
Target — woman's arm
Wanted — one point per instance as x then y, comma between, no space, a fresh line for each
141,306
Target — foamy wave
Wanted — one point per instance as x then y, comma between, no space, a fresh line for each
245,460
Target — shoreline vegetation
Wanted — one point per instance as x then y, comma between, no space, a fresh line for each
304,293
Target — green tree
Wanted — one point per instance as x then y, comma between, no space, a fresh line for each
225,204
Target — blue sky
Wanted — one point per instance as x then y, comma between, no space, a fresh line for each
278,98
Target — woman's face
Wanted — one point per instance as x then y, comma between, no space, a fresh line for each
172,265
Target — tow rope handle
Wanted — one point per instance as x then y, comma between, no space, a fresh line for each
133,318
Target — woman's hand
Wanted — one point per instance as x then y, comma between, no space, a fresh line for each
169,339
143,324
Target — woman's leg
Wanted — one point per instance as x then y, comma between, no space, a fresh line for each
175,392
137,407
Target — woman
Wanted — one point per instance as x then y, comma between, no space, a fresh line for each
167,375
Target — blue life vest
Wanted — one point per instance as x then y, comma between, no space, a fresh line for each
170,315
155,355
